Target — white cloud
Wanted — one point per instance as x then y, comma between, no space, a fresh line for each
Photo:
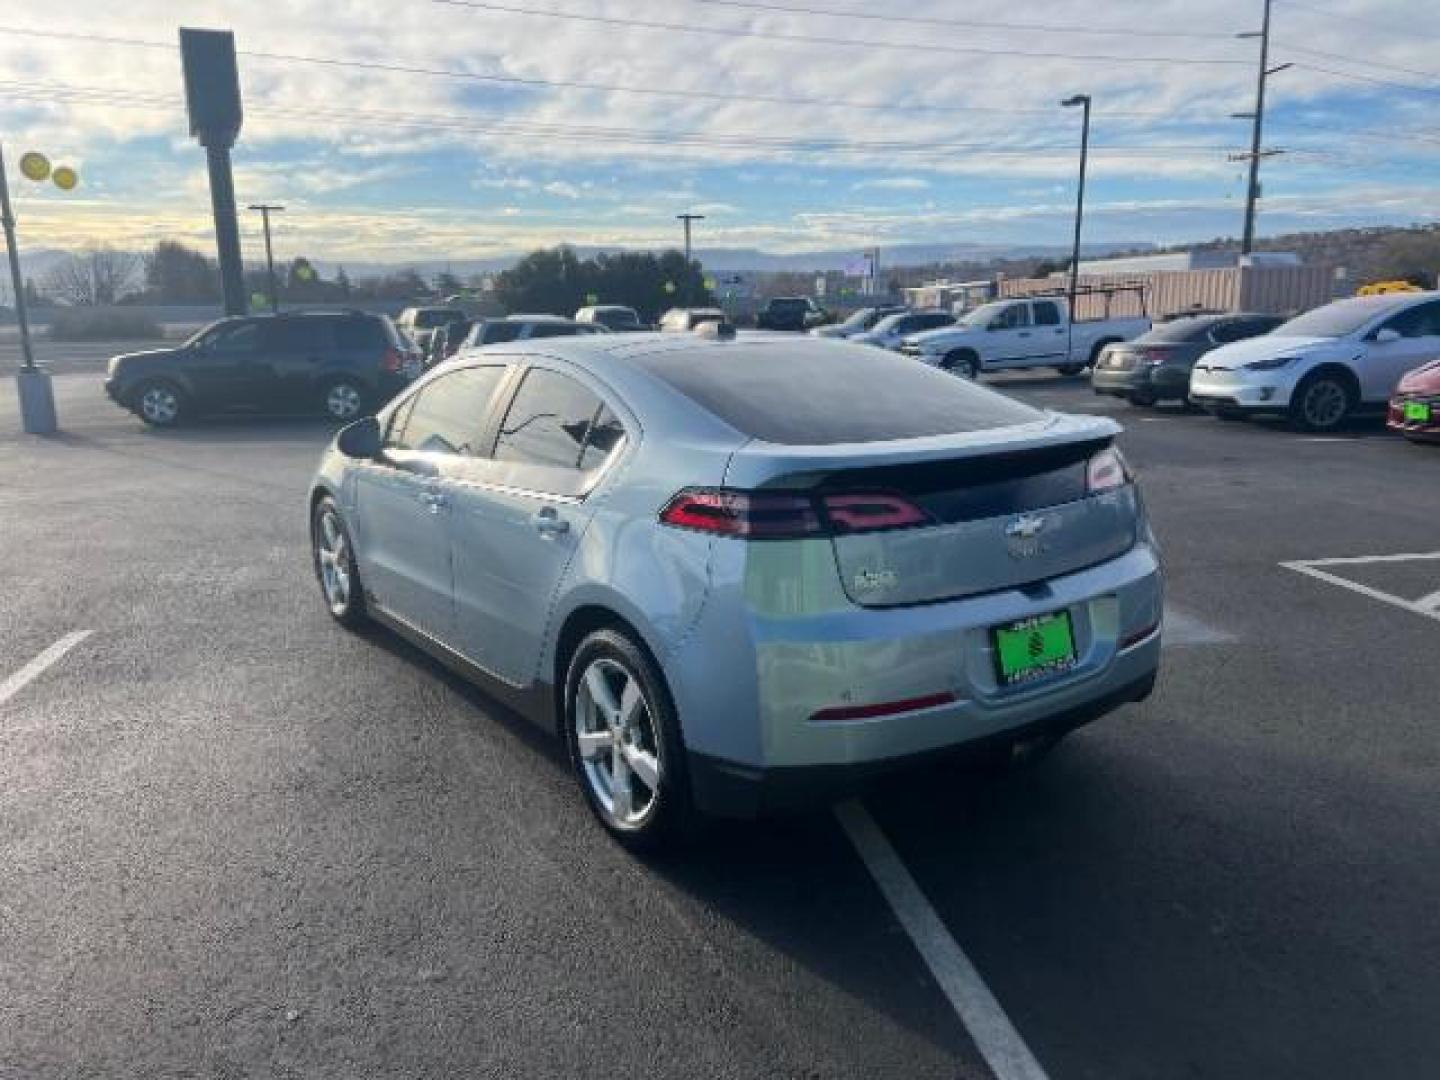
893,183
563,189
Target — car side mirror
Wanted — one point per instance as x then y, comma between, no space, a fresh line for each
1387,335
360,440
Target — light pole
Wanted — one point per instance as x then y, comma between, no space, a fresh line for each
37,396
266,209
1070,103
687,219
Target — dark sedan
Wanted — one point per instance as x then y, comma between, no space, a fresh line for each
1156,365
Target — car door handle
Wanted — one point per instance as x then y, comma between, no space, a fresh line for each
434,501
548,521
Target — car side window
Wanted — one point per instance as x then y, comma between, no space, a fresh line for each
241,338
297,335
543,330
360,334
1423,320
1012,318
1046,313
447,416
556,435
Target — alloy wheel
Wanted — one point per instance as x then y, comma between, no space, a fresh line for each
619,751
159,405
333,551
1324,404
342,401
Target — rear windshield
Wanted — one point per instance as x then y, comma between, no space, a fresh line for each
822,393
1178,331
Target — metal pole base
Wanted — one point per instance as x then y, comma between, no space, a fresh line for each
37,402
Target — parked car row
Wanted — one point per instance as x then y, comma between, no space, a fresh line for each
1318,370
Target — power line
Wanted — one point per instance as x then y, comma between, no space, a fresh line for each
815,39
1372,80
966,24
121,98
1387,27
1305,51
571,84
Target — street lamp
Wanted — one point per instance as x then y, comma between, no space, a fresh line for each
265,211
687,219
37,397
1070,103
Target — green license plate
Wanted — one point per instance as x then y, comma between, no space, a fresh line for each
1034,648
1417,412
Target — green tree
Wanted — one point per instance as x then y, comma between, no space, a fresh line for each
557,281
176,274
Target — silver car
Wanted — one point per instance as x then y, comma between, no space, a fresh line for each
740,574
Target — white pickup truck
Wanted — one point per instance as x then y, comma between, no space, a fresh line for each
1020,333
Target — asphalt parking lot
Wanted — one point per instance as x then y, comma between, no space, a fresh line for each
241,842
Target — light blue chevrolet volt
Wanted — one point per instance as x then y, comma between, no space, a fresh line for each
742,574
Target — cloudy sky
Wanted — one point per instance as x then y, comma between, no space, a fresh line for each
431,129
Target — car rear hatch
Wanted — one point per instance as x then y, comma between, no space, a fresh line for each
940,518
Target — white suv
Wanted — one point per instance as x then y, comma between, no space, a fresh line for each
1320,368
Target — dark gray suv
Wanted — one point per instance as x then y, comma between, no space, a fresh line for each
342,364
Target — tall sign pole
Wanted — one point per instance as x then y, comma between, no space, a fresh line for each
212,98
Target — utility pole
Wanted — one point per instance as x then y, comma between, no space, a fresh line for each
265,211
687,219
1257,129
7,218
1070,103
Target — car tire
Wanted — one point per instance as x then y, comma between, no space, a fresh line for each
1070,369
1322,402
160,403
333,554
617,714
1142,399
962,362
343,400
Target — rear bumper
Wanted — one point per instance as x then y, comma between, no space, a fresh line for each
758,694
1160,382
727,789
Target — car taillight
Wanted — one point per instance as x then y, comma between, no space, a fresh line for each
392,361
789,515
1153,354
1106,471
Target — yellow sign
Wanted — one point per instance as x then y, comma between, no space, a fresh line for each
65,178
710,284
35,166
1379,288
670,287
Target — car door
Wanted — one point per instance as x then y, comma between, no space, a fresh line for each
1386,362
220,368
520,521
1049,338
296,354
1009,336
404,499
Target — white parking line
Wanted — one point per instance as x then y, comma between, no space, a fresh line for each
35,668
1427,606
990,1029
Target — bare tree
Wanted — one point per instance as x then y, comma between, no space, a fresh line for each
96,277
